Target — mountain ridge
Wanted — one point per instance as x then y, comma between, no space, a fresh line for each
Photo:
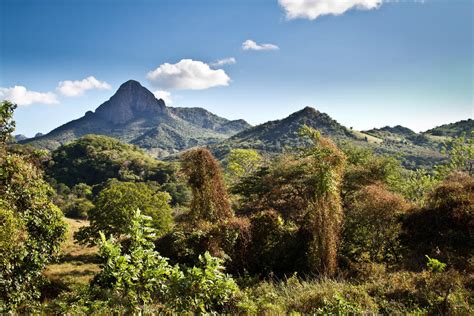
134,115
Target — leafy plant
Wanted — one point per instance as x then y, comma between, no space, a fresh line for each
434,265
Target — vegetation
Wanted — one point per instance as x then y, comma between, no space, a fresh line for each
115,206
31,225
209,201
324,228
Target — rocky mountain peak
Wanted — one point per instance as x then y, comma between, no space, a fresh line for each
131,101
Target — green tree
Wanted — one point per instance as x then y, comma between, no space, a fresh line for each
112,212
7,124
241,162
209,195
460,152
30,222
31,225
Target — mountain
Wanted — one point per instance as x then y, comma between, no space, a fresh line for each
415,150
275,136
387,131
135,116
453,129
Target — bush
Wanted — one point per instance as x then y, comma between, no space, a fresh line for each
443,227
372,225
140,276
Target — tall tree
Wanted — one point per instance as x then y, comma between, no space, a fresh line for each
209,196
324,217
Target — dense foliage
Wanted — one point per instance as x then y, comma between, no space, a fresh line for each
209,197
31,226
319,229
94,159
116,204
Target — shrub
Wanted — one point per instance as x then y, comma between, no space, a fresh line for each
140,276
443,227
372,225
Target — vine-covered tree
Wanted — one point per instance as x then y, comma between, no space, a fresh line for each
209,196
324,218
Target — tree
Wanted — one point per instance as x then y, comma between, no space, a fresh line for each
460,152
324,217
241,162
209,196
31,226
7,124
114,209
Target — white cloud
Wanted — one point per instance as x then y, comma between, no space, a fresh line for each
76,88
224,61
21,96
312,9
187,74
165,95
252,45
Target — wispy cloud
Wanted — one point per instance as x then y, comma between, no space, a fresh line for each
187,74
224,61
252,45
312,9
76,88
22,96
164,95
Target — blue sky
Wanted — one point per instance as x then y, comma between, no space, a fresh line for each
382,63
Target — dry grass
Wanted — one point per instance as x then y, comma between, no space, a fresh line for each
370,139
77,264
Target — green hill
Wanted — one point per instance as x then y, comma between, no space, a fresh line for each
453,129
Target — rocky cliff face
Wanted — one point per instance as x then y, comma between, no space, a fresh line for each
131,101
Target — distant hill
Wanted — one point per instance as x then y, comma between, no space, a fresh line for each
276,136
453,129
135,116
415,150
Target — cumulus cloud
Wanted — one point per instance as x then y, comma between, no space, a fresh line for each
164,95
76,88
224,61
187,74
312,9
21,96
252,45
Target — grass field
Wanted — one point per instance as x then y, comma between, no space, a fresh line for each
370,139
77,264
